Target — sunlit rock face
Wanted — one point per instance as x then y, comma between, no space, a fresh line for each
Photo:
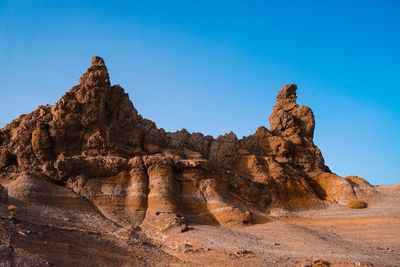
94,142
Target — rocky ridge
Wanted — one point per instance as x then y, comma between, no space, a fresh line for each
94,142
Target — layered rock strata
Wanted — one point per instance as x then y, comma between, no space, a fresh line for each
94,142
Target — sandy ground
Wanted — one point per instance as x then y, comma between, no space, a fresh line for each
331,233
335,234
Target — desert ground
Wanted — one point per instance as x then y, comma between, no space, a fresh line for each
335,234
329,235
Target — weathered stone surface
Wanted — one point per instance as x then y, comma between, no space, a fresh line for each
335,188
94,142
98,166
219,206
223,150
3,202
41,142
6,158
137,191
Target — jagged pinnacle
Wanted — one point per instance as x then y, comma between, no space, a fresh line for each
96,75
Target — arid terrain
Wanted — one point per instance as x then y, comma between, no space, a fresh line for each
89,182
334,234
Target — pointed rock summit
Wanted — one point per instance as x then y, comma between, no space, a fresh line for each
94,142
290,119
95,118
97,75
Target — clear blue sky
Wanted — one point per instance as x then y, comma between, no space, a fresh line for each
216,66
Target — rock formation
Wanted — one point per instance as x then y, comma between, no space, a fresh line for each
94,142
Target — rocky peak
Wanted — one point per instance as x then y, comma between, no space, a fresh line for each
96,75
95,118
289,119
287,97
94,141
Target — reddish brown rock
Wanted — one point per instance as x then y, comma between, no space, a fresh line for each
137,192
94,142
223,150
41,142
6,158
335,188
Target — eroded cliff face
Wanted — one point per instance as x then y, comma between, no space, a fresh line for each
94,142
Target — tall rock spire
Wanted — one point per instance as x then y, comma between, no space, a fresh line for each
290,119
96,75
89,118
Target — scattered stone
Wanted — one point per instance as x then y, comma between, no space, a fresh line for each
386,249
187,248
22,233
243,253
183,228
320,263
